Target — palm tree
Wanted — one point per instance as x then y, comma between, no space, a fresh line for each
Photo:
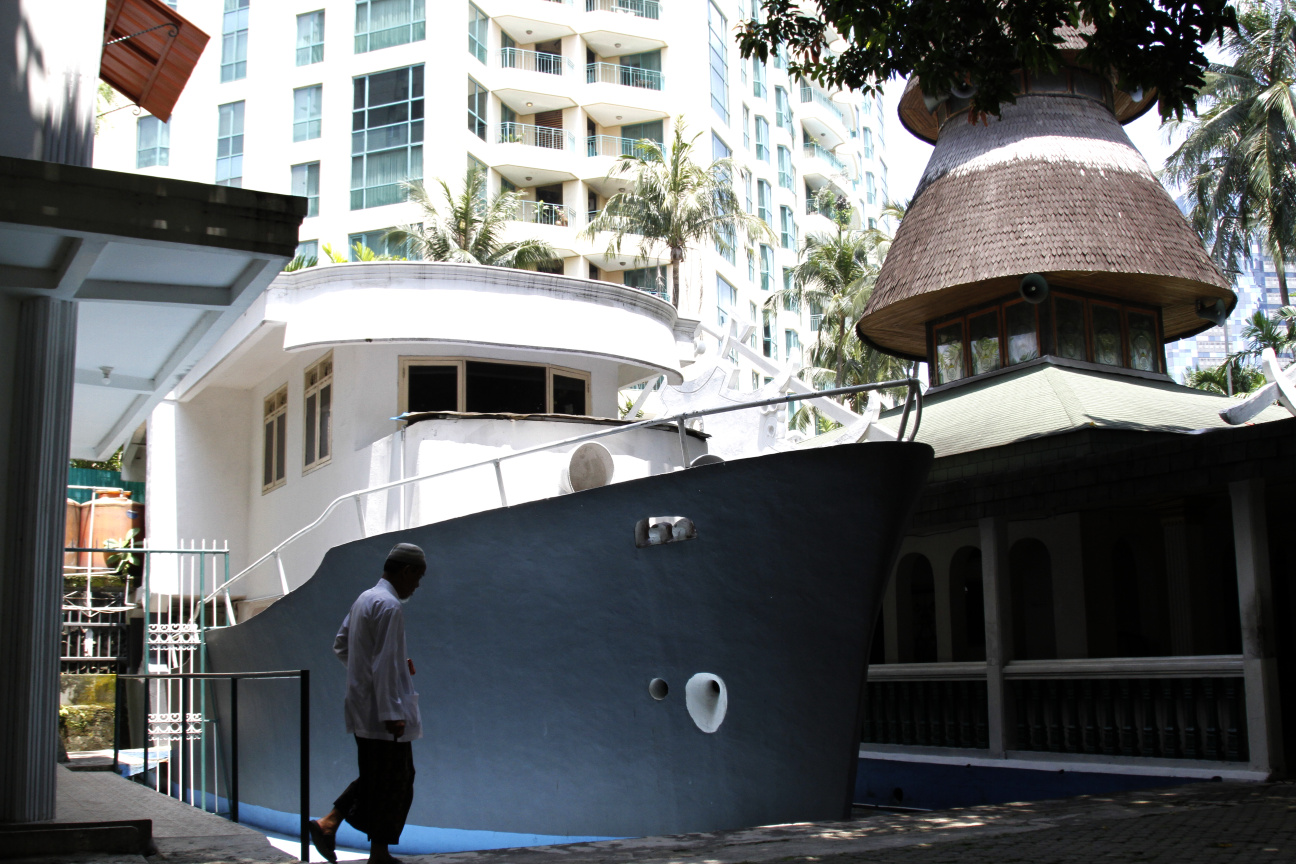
672,201
1237,158
836,277
1231,377
1261,332
468,228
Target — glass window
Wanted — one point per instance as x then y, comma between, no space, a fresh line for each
649,279
792,347
1142,341
765,202
478,27
493,388
152,142
310,38
762,139
569,395
949,352
816,315
751,264
274,441
477,109
384,23
307,249
758,78
1106,335
305,182
746,120
787,174
983,340
432,387
308,104
782,109
870,188
386,136
234,36
766,267
1023,340
787,225
747,189
1068,316
377,241
769,342
790,303
719,61
868,143
229,145
726,300
318,405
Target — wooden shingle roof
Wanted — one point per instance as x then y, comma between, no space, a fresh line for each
1055,187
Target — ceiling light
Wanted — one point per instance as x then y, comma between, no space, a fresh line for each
528,178
620,188
529,104
622,263
528,32
618,116
616,44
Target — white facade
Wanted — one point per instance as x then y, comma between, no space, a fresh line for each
587,63
214,472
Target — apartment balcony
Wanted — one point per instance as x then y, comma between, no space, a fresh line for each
822,117
529,155
602,154
555,223
615,95
528,21
531,82
536,61
614,28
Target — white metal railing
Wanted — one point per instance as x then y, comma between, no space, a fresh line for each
627,76
638,8
535,61
549,137
540,213
913,404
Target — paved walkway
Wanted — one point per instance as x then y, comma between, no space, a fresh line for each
1204,823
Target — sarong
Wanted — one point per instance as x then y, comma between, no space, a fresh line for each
378,801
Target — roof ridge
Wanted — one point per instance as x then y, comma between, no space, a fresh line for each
1067,398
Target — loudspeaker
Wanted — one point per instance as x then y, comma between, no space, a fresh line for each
1212,311
1034,288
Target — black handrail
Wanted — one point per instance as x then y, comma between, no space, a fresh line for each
233,677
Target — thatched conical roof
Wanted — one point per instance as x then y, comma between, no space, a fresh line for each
1053,186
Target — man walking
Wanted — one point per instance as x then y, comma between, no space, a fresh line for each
381,710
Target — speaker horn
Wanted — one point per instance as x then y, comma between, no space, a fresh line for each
1034,288
1212,311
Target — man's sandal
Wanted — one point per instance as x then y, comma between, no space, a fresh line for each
325,844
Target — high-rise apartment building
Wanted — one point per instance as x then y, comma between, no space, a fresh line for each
342,100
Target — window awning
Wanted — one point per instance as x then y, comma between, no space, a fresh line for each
149,53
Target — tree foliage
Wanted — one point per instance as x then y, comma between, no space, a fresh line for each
670,201
1237,159
468,227
1229,378
948,43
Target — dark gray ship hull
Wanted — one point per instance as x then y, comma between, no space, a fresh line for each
539,627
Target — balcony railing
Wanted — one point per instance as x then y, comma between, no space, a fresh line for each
536,136
540,213
810,93
626,76
638,8
535,61
812,208
815,151
612,145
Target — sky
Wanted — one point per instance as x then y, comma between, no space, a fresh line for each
906,156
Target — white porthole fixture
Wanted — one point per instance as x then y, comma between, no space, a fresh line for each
707,700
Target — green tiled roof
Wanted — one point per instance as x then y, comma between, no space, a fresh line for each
1047,399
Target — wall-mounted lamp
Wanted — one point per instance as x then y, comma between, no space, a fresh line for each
107,375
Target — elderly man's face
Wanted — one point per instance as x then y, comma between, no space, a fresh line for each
406,581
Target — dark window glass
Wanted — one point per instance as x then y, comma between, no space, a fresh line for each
1142,339
568,395
267,473
310,428
281,445
1023,342
984,342
1107,335
1069,315
433,388
505,388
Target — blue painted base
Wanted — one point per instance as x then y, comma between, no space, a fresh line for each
939,786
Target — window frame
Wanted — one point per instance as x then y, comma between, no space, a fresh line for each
417,27
461,364
322,426
312,55
234,40
161,149
237,114
414,135
302,129
312,201
274,414
762,141
478,32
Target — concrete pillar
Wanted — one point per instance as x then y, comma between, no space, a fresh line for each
1255,602
31,582
998,625
940,564
891,622
1174,532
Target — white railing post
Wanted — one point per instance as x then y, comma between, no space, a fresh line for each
283,577
499,480
360,515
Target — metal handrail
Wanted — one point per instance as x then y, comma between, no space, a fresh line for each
542,213
813,94
303,675
615,145
535,61
913,401
827,155
548,137
638,8
630,76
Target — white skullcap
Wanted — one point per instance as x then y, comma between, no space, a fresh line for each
407,553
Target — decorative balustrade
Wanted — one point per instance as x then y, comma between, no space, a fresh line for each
1168,718
535,61
626,76
540,213
536,136
612,145
936,705
638,8
810,93
817,152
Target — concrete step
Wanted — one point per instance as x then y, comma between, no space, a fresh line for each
30,840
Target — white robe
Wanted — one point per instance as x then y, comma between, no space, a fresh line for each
379,686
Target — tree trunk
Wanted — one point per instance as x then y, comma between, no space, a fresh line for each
1280,265
676,255
841,349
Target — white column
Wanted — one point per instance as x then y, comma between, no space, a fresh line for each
998,626
1255,601
31,581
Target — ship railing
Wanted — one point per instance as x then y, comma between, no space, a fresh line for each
183,740
912,410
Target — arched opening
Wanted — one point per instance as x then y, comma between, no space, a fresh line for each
1030,570
920,597
967,605
1127,602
